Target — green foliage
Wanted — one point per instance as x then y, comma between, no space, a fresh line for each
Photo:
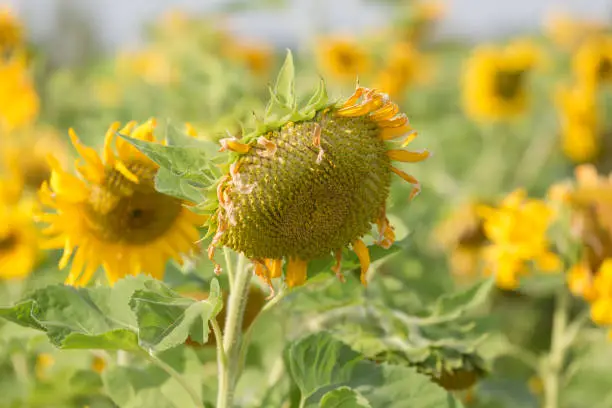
319,363
136,313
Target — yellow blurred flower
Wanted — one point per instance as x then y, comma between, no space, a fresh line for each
403,68
342,58
592,62
18,240
517,230
11,31
580,132
98,364
19,101
256,57
152,65
568,32
495,80
461,235
422,15
23,158
112,216
44,362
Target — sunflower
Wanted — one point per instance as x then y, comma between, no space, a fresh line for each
111,215
404,67
580,132
342,58
517,231
256,57
18,238
312,183
592,62
151,65
569,32
11,32
423,14
19,101
495,81
25,157
462,235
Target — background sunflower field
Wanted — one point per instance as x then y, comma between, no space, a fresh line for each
486,280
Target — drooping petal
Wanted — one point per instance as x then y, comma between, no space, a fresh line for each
362,252
296,272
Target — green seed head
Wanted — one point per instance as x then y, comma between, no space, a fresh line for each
306,189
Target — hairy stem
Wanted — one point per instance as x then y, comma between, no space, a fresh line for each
236,303
554,364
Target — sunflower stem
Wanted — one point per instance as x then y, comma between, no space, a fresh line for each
236,303
197,401
553,367
228,265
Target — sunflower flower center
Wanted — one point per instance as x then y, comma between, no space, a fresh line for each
8,242
35,174
604,70
308,199
508,84
135,213
346,59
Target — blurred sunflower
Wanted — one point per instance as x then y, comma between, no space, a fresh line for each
311,183
403,68
152,65
580,126
19,101
495,80
592,62
18,238
257,58
11,31
569,32
112,216
24,157
342,58
462,235
517,230
422,15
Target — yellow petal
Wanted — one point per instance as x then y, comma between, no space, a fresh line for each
87,153
296,272
275,267
107,153
362,252
121,168
417,186
407,156
231,143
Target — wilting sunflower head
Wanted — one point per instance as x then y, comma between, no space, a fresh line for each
593,61
11,31
310,181
110,215
580,133
19,244
517,230
342,58
19,101
495,80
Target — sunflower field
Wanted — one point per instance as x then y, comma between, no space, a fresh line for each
385,219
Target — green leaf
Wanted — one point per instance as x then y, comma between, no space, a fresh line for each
82,318
284,89
319,363
460,302
317,101
344,397
170,184
186,162
165,319
139,386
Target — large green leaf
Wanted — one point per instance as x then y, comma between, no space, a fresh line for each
188,162
165,319
169,183
136,312
320,363
81,317
460,302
